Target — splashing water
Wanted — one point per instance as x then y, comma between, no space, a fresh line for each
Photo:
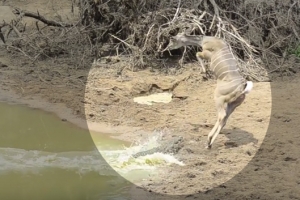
34,161
124,163
120,161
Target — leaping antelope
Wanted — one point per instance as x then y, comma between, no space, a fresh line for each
231,87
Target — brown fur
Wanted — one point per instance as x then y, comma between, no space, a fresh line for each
225,104
226,99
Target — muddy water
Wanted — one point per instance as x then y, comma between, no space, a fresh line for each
43,157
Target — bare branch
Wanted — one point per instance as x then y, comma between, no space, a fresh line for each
41,18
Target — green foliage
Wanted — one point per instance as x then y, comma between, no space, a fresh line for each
295,50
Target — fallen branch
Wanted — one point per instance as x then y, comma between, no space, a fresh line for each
1,34
41,18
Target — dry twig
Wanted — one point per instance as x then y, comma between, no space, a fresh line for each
41,18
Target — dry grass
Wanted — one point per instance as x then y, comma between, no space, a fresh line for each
259,32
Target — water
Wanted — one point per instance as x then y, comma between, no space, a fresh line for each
42,157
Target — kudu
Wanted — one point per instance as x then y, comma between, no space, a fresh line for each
231,86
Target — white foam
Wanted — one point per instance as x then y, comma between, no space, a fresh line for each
120,161
21,160
124,162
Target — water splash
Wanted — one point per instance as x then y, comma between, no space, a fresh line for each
120,161
34,161
123,161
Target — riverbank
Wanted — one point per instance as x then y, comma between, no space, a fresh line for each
101,99
105,104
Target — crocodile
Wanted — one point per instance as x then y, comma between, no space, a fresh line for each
172,146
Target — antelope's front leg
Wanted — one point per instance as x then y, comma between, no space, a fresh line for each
199,54
200,59
205,54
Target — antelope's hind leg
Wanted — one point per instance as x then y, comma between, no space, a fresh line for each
221,121
211,134
233,105
223,114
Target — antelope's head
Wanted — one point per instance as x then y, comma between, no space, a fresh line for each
182,39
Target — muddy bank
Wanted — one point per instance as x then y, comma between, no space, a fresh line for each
103,97
106,102
63,112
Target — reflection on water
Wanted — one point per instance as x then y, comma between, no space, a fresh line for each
42,157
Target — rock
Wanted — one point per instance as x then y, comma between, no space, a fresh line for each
259,120
290,159
181,91
230,144
190,175
189,150
3,65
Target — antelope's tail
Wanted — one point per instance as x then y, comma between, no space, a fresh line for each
248,88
